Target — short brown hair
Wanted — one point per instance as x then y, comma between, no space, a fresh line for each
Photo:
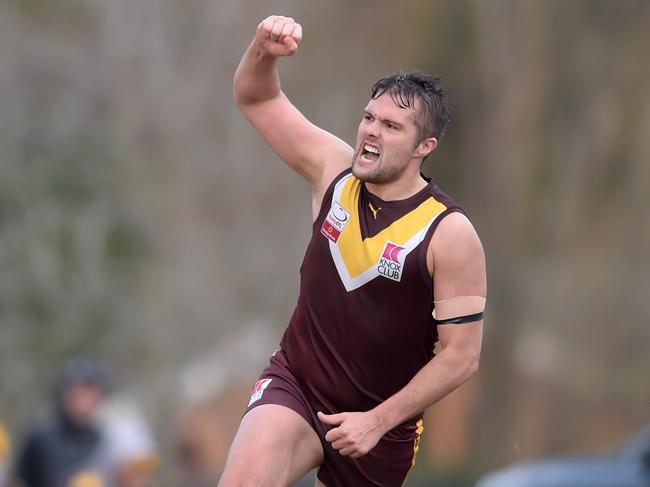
432,118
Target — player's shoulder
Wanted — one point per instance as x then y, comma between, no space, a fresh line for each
339,159
333,172
455,237
455,225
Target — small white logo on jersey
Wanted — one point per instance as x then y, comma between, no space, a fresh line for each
258,390
391,263
337,218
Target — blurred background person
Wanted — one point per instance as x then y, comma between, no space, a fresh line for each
129,454
62,450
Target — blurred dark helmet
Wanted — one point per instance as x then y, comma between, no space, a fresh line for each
86,371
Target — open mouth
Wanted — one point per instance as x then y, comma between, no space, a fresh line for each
370,153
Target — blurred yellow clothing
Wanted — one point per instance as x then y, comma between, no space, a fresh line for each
5,443
87,478
144,464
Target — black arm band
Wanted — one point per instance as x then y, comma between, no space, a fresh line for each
459,320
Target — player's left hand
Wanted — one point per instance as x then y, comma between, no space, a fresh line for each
355,433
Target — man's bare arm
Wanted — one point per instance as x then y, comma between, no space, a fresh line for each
459,270
313,153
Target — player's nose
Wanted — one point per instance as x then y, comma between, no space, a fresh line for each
371,129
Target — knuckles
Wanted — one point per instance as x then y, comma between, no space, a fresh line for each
268,23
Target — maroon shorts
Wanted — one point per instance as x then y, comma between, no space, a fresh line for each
386,465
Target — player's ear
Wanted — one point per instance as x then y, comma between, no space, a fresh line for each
426,147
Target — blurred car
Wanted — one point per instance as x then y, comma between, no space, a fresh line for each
628,466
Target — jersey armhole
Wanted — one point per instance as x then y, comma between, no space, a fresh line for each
327,198
424,246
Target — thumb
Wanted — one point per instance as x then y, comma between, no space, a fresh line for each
334,419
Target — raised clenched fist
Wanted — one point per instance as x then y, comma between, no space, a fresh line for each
279,36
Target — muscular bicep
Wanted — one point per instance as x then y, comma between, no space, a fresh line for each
312,152
459,280
457,259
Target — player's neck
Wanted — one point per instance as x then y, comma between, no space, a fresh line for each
400,189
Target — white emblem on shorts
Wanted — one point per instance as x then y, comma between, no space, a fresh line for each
258,390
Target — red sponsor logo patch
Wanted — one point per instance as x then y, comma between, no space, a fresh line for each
336,220
391,252
258,390
330,231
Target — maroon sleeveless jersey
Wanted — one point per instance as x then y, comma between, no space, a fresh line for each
363,327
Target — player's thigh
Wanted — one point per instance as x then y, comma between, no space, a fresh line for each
274,446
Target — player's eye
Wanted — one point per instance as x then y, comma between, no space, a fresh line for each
367,117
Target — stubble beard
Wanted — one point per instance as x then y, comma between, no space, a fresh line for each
380,174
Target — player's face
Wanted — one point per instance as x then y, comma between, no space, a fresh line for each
386,141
